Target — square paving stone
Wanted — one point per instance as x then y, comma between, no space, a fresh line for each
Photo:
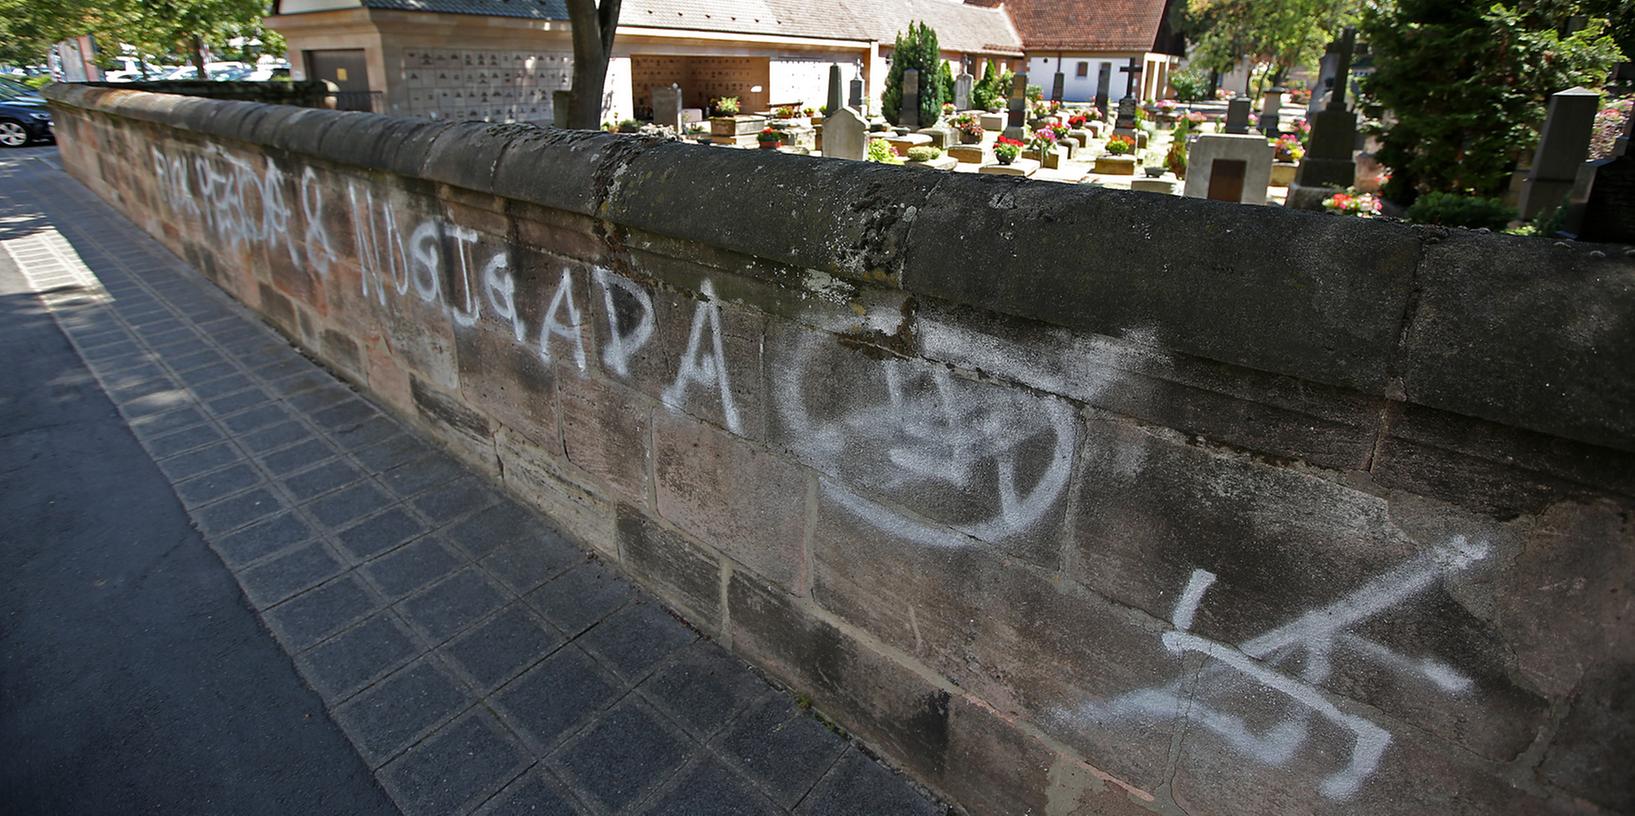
237,401
524,563
197,377
455,499
211,486
708,788
272,581
261,416
266,440
630,752
380,533
781,748
394,713
222,387
354,502
391,452
284,365
346,663
365,433
860,786
194,462
456,768
582,596
409,479
411,566
554,698
506,521
173,443
237,511
502,646
322,479
319,398
443,610
261,538
316,614
196,359
535,793
634,640
289,460
307,378
168,422
344,415
703,688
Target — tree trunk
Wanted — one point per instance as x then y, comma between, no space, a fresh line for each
593,28
198,54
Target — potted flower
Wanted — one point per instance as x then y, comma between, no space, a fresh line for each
769,138
786,112
1351,202
1042,146
729,126
1006,150
968,127
1120,146
726,106
1117,157
1286,155
948,109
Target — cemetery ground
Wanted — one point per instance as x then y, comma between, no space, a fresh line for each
233,585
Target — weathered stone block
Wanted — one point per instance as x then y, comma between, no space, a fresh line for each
1038,656
465,431
1589,756
747,502
606,429
683,574
537,478
991,462
1339,585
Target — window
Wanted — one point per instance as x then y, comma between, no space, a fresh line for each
1084,70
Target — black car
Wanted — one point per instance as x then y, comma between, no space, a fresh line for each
22,122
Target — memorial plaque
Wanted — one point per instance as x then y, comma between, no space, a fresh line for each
1226,179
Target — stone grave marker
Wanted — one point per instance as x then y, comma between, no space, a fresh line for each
1058,84
854,99
1329,163
667,106
1237,115
1608,213
1132,75
909,114
1242,160
835,101
1271,111
1104,81
1126,115
561,102
1562,147
1016,108
962,91
845,135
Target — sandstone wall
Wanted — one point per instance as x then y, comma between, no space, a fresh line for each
1065,500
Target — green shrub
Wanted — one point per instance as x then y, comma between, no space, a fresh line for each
946,78
727,106
924,153
629,126
989,92
880,151
1190,85
1454,210
916,49
1034,93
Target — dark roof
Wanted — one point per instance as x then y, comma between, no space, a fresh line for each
1102,25
534,9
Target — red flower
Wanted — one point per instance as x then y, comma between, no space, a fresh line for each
1010,141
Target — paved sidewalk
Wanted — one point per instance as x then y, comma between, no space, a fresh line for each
475,658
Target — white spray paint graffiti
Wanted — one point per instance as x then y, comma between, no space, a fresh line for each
1314,635
242,206
938,435
705,368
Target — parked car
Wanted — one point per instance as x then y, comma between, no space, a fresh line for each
23,122
11,90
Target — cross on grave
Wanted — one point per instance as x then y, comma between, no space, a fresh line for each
1132,74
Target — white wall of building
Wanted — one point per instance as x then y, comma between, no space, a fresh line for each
618,103
806,79
1042,72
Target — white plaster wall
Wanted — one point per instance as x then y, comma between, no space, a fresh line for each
806,79
618,102
1042,72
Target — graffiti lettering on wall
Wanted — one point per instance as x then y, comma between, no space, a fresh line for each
1313,639
242,206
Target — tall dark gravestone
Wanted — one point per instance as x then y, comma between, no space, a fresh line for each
908,115
1329,162
1562,148
835,101
1609,210
1017,108
1104,82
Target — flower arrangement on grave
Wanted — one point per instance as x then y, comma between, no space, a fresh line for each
969,128
1195,118
1176,158
881,152
1034,93
1006,150
1043,140
948,109
1140,114
1167,106
1038,110
1351,202
1287,148
785,112
1078,120
1609,125
726,106
924,153
769,138
1302,131
1061,130
1120,146
809,111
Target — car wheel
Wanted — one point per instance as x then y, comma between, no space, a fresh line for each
12,133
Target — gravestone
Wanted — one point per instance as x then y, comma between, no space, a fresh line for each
835,101
667,106
1562,147
854,99
1243,160
962,92
1104,80
561,102
1271,111
909,114
1329,164
1237,115
1325,78
1058,85
1016,108
1132,74
1126,115
1608,213
845,135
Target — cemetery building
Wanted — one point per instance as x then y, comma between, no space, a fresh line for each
503,59
1089,44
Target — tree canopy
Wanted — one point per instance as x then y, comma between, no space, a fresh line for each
1283,34
917,48
160,28
1464,85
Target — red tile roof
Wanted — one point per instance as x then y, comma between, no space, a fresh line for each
1087,25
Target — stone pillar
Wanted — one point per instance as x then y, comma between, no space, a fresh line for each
1016,108
909,114
962,92
835,101
1562,148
